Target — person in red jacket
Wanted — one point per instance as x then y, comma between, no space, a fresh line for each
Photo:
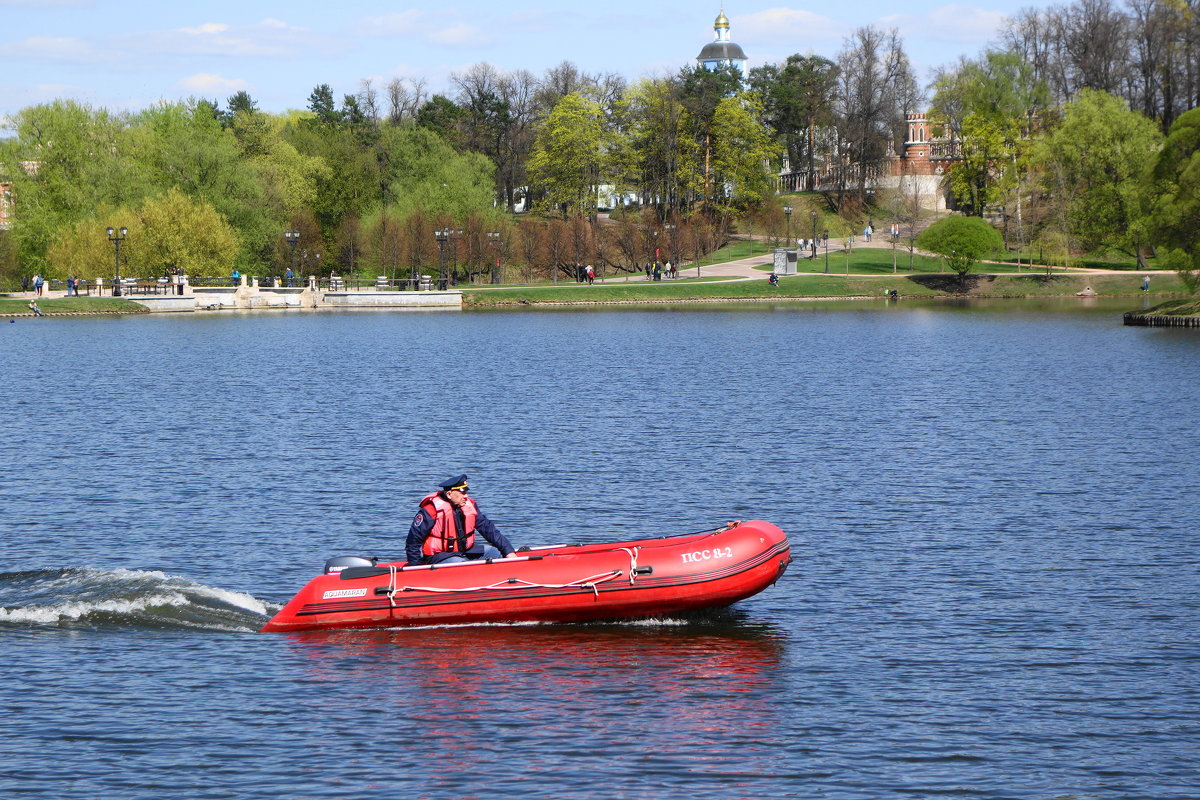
448,527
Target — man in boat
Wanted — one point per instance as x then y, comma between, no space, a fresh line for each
448,527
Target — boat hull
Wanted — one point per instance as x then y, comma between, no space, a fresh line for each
618,580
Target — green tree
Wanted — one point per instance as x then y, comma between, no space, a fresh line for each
567,155
797,99
701,92
82,248
742,150
426,175
181,145
440,115
287,178
962,241
987,148
655,151
64,161
240,102
9,273
169,231
321,104
992,106
1093,163
351,182
1175,204
180,232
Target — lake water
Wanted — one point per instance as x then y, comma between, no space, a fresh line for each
995,592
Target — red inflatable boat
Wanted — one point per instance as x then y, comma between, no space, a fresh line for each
618,580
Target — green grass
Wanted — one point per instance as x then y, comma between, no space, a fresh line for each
1189,307
821,285
878,261
78,305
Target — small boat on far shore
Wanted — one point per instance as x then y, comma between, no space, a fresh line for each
570,583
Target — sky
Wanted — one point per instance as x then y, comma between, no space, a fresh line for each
130,54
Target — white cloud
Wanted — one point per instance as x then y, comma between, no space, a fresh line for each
403,23
967,24
268,39
776,24
207,83
458,35
451,32
56,48
207,28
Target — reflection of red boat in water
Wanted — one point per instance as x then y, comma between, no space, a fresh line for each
617,580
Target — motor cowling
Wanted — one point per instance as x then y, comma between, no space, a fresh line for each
339,563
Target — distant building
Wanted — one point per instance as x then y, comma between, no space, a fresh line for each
721,51
917,171
926,158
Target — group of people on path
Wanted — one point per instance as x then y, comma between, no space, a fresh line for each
656,271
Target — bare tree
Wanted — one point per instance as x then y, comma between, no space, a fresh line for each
876,88
531,234
1096,45
368,100
405,97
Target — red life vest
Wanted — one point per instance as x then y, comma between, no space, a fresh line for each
444,536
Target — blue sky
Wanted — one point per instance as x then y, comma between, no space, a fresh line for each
132,53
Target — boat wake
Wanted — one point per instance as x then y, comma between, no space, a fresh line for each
89,598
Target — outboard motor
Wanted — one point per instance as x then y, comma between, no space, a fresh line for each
340,563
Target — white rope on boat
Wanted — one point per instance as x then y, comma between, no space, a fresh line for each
518,583
591,582
633,554
392,585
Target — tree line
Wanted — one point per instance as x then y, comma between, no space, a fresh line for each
681,157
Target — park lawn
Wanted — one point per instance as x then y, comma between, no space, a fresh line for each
809,286
869,261
78,305
878,261
642,291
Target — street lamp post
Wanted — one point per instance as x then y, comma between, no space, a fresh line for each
293,239
116,237
494,238
895,240
849,250
670,229
443,235
825,236
813,214
787,212
654,261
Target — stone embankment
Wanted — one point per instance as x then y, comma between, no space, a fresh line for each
1161,320
249,296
